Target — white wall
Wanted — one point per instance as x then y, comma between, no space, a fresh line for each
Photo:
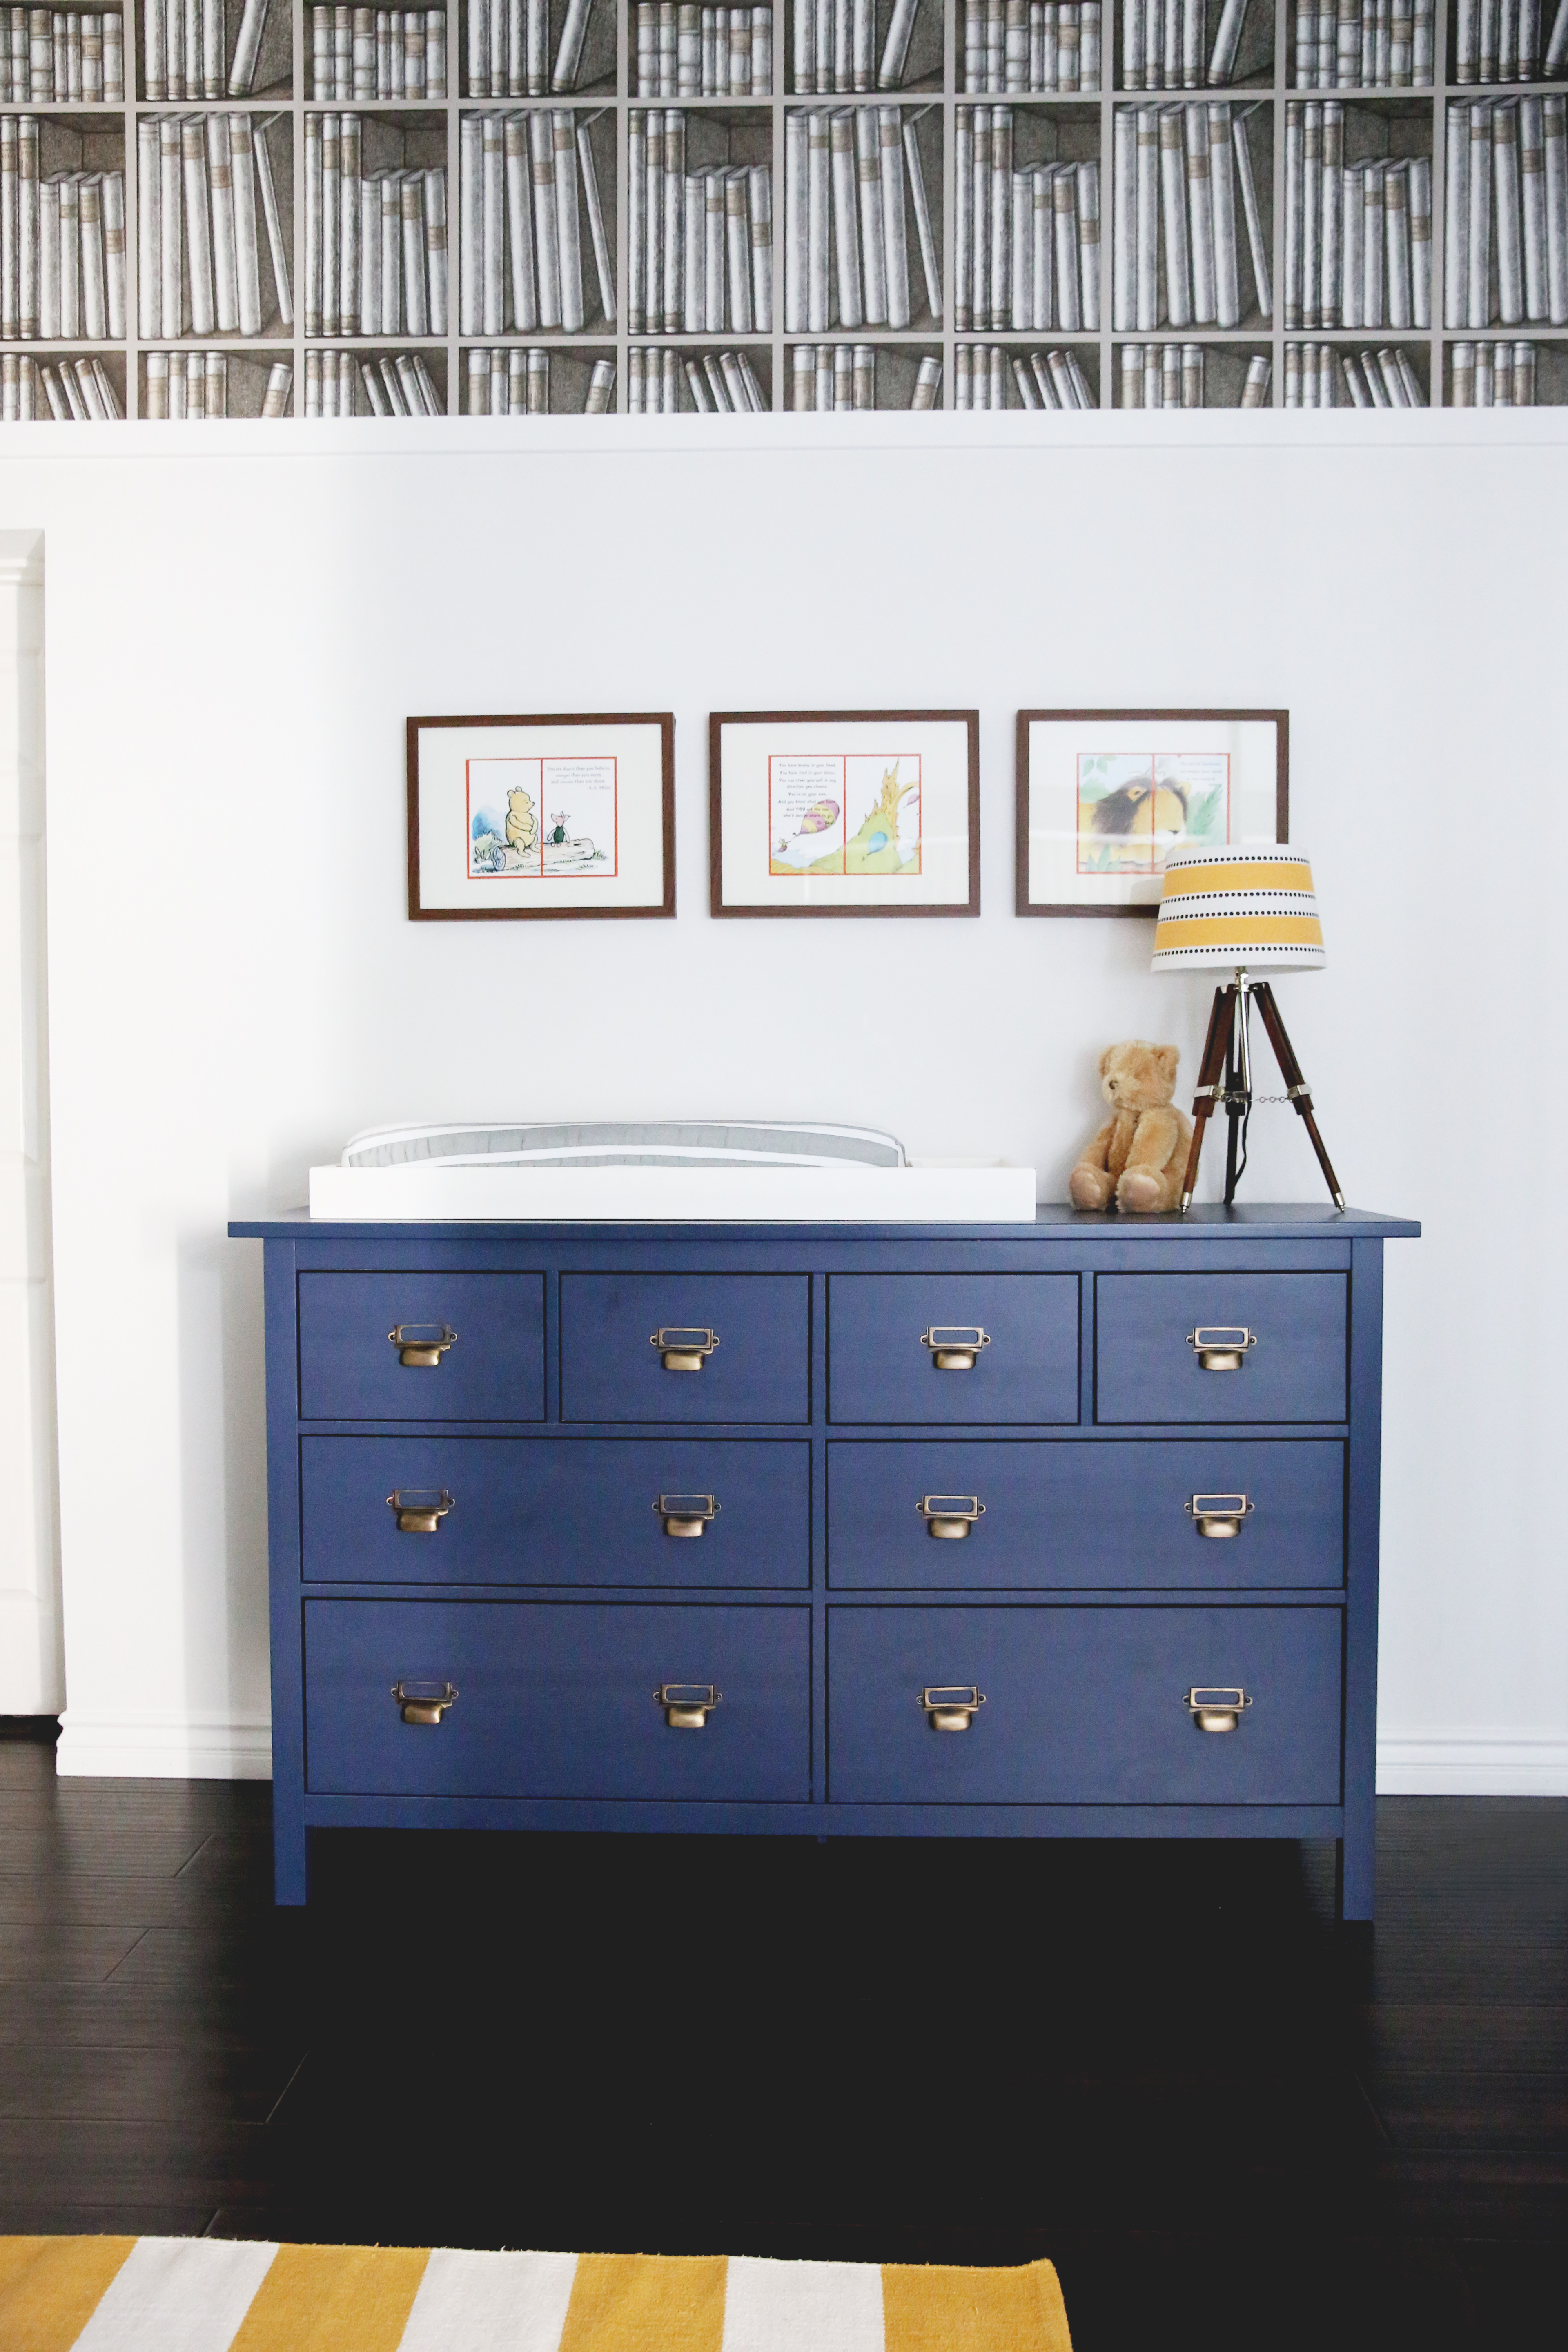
236,635
32,1669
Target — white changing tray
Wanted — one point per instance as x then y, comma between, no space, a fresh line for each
662,1172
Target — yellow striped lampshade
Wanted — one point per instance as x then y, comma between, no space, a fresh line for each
1234,906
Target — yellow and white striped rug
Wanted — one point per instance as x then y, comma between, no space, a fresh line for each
213,2295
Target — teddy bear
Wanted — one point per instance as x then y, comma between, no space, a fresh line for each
1138,1159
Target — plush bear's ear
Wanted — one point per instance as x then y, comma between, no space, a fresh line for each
1105,1061
1167,1057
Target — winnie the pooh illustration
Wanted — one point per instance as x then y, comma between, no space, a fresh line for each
522,823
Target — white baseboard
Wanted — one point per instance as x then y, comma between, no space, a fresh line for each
194,1747
1473,1764
239,1747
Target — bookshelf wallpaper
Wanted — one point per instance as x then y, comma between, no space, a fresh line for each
249,208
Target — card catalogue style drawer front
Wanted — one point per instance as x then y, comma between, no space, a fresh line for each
686,1347
557,1699
1220,1347
556,1510
1085,1706
421,1347
1199,1513
953,1348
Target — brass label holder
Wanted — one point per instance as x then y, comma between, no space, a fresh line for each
688,1706
420,1509
421,1346
949,1517
683,1347
952,1706
1218,1516
1217,1710
954,1347
686,1515
424,1702
1222,1347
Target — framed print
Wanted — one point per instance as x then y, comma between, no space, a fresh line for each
1104,795
542,818
844,811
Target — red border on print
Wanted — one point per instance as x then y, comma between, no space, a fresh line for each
532,759
1149,873
843,757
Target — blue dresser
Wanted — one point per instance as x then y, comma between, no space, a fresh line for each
1067,1529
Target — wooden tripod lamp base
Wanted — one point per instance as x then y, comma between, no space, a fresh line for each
1231,906
1226,1077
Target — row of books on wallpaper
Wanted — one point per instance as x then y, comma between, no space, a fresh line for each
1358,237
1505,240
184,52
525,180
1178,172
513,381
853,178
1499,40
1492,376
982,372
829,377
508,46
379,53
1325,375
62,245
61,57
393,383
1367,44
375,242
205,193
689,52
720,384
194,385
700,242
79,391
1032,49
1027,241
1175,375
833,47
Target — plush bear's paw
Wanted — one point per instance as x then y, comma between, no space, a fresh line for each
1141,1190
1091,1188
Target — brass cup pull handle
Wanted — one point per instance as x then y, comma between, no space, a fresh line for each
950,1516
955,1346
1217,1710
420,1509
424,1702
688,1706
1218,1516
683,1347
686,1515
1222,1347
952,1706
421,1346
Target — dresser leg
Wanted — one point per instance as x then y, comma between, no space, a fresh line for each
290,1863
1356,1856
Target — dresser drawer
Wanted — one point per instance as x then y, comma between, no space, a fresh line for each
556,1510
1070,1514
1084,1706
1146,1369
493,1368
556,1699
882,1355
760,1369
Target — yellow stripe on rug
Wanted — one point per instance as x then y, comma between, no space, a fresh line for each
51,2287
208,2295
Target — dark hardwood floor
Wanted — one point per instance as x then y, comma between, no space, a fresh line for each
1160,2064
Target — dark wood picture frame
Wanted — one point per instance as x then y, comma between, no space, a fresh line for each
717,722
1022,905
663,720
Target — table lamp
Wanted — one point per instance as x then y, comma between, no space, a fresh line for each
1229,909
